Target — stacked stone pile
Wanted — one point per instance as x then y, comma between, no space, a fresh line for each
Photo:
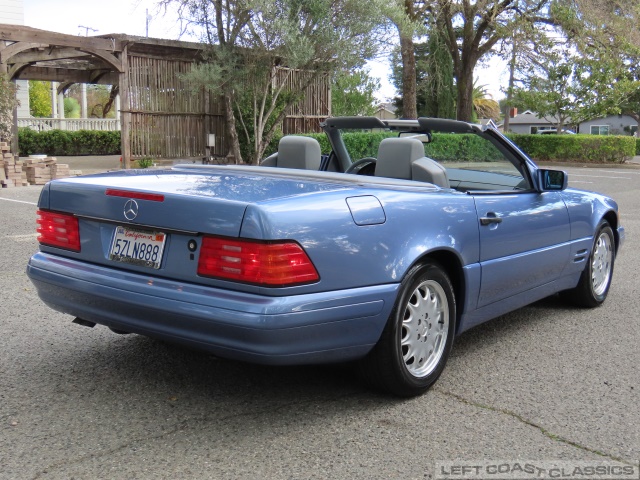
35,170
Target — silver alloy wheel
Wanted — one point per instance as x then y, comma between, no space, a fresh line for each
425,326
601,263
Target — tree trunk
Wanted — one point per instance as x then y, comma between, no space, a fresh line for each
232,133
512,74
409,96
465,92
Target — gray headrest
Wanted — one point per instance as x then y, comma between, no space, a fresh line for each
428,170
395,156
299,152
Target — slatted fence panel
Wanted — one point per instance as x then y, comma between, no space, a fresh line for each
169,119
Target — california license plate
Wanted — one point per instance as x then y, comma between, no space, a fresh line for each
137,247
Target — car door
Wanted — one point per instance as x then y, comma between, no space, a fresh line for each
523,241
524,233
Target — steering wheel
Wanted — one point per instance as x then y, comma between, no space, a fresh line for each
359,165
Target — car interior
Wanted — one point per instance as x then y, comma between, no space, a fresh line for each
411,150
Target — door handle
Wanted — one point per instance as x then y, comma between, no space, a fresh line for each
489,220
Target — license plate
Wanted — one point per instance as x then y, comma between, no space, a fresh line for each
137,247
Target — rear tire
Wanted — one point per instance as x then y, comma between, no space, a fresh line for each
416,342
595,280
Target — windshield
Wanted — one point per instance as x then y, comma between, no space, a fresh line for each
487,167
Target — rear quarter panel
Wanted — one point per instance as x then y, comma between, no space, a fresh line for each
348,255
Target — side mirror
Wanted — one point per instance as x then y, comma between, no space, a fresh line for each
552,180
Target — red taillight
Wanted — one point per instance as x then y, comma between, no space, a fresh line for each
154,197
277,264
58,230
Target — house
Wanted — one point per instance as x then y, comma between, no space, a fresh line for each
385,111
488,122
611,125
529,122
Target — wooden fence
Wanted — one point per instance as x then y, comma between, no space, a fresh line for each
169,117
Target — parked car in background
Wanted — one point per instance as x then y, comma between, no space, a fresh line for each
554,131
380,257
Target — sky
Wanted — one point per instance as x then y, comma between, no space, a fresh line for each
99,17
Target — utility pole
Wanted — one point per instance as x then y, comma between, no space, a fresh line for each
86,30
148,17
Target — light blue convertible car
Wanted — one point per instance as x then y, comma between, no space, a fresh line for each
381,260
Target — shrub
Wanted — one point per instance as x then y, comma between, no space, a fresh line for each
449,147
637,146
145,162
63,142
576,148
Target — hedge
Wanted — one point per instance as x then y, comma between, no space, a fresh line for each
445,147
449,147
63,142
577,148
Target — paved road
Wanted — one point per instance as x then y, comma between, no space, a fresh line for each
547,382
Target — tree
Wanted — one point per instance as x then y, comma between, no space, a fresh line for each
608,36
520,51
71,108
437,84
8,103
352,93
578,82
264,55
472,30
612,24
39,98
609,84
407,21
397,78
100,99
435,95
551,89
484,105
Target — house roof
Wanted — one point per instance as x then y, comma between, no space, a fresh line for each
530,118
488,122
388,106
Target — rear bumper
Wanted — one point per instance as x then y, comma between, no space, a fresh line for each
313,328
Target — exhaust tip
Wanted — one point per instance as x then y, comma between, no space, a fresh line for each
84,323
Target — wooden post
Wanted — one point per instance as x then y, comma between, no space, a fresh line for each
125,113
118,112
4,69
206,127
14,128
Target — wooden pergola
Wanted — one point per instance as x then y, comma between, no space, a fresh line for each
161,115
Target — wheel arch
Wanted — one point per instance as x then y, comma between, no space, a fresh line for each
451,263
611,217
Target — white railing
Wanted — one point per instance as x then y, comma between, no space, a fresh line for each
42,124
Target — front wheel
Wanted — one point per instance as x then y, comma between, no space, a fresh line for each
416,342
595,280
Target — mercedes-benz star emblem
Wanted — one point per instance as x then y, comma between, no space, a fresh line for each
130,209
